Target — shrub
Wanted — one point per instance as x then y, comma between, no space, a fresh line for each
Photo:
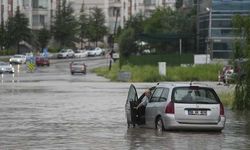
150,73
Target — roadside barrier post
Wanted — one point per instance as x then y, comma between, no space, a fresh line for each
31,64
162,68
219,78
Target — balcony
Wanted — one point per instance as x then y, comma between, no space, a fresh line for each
115,3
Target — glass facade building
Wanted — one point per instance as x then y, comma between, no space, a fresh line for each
215,28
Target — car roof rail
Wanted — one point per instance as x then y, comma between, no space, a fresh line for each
196,83
169,83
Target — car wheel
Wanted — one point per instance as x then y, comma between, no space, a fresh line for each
72,73
159,124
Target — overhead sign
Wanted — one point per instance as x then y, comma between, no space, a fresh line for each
45,52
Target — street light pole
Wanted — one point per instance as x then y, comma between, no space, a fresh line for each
209,48
209,37
197,26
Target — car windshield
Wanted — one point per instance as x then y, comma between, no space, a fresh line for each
77,63
195,95
63,51
17,56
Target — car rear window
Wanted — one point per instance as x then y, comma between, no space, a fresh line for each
78,63
199,95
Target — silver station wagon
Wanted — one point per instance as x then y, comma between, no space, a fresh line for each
177,107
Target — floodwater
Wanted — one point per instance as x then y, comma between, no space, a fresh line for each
90,115
58,111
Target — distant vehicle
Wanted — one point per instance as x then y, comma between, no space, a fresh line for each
42,61
95,51
78,67
81,53
226,74
240,68
18,59
230,73
116,56
177,107
6,68
66,53
146,51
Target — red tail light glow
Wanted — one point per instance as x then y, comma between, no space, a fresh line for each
221,109
170,108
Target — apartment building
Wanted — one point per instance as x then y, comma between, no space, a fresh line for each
151,5
8,9
117,12
40,12
110,8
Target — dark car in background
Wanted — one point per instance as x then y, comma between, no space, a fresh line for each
42,61
78,67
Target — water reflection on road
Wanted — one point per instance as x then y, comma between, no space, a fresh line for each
90,115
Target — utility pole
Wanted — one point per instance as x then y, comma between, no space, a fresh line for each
2,25
114,33
197,26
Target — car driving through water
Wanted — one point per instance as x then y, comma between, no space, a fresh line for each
175,106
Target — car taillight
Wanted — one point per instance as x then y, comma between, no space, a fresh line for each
221,109
170,108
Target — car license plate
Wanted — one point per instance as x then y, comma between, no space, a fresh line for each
197,112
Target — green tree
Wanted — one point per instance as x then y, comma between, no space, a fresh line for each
2,35
137,24
166,25
65,25
126,44
242,50
17,30
83,23
43,37
178,4
97,29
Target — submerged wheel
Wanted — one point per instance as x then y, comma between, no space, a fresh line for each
159,124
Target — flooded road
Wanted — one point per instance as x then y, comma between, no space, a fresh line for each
51,110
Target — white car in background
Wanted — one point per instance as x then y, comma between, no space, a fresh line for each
81,53
66,53
6,67
18,59
95,51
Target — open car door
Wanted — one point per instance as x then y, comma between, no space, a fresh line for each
132,101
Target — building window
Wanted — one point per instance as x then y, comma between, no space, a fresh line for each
38,20
223,45
222,24
40,4
26,4
222,32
